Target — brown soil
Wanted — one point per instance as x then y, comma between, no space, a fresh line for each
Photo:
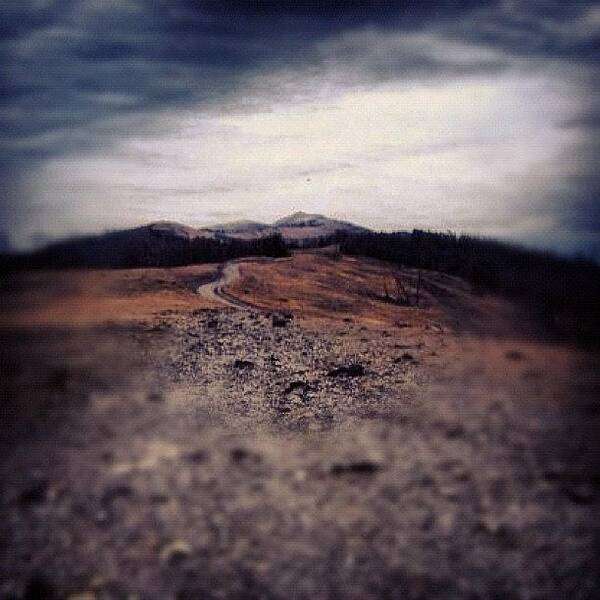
331,445
92,297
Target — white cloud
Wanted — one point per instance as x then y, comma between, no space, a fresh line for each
478,153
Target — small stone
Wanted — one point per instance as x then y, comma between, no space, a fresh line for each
159,498
114,492
296,385
362,467
279,321
155,397
352,370
406,357
175,552
446,522
243,364
242,455
196,456
455,431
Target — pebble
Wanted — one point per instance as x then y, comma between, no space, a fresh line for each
175,552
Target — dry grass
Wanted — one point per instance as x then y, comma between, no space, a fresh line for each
316,285
90,297
320,286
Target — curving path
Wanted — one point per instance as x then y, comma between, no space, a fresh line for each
228,274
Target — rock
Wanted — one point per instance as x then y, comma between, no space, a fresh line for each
406,357
243,364
446,522
362,467
159,498
296,385
280,321
155,397
242,455
114,492
352,370
426,481
196,456
454,431
175,552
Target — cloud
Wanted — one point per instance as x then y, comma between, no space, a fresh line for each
68,64
81,77
470,154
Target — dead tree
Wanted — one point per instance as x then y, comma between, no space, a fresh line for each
402,296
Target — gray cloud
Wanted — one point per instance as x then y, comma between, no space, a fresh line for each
80,75
70,63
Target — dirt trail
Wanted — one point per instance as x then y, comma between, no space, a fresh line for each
229,274
213,290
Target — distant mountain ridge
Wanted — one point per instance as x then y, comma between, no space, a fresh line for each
168,243
302,219
297,229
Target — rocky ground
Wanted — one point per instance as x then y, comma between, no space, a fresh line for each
237,454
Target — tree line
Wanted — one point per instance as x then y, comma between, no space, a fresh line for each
564,292
143,247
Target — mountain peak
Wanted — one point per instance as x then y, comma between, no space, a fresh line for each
302,218
176,229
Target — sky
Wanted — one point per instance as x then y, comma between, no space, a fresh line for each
474,117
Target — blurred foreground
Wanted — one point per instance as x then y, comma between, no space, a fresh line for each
329,444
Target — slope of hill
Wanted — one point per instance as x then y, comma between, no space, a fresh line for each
172,228
302,219
244,229
154,244
159,244
305,229
299,229
168,243
332,442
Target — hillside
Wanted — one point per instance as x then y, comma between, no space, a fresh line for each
298,229
244,229
163,443
167,243
304,229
